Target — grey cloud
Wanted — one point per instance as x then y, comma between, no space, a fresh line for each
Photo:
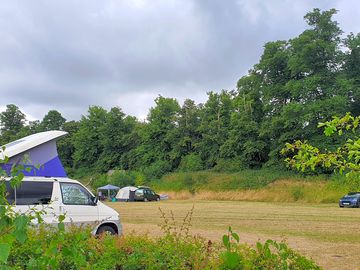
69,55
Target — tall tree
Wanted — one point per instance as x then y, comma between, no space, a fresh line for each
214,126
244,142
352,72
53,120
87,141
300,82
189,136
189,121
117,139
66,145
160,137
315,64
12,120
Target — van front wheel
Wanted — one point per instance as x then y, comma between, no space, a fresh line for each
106,229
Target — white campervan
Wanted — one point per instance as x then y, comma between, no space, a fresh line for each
46,187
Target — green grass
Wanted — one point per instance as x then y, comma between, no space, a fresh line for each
268,185
210,180
215,181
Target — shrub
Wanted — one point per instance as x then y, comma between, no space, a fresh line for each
157,169
297,192
121,178
139,177
228,165
191,163
270,255
100,180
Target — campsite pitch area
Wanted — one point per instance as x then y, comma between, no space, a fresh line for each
328,234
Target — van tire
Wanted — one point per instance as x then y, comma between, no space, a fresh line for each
106,229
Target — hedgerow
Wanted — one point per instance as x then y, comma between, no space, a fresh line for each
76,248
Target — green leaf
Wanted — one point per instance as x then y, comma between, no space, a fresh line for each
328,131
61,227
20,232
236,237
259,246
61,218
226,241
21,221
20,235
4,252
232,260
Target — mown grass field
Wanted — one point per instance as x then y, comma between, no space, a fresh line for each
324,232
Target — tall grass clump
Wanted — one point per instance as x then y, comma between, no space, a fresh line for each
256,185
216,181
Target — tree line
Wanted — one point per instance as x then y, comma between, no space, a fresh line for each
296,84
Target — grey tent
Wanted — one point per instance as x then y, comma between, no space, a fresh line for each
126,194
109,188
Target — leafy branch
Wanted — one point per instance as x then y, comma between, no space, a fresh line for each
346,158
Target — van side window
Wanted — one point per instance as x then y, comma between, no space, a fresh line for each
75,194
33,193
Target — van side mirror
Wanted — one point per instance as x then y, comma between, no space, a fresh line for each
95,200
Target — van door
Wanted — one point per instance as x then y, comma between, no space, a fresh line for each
77,205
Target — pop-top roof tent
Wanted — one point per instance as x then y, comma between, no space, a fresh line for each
37,152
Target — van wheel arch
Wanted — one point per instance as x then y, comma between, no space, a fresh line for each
109,228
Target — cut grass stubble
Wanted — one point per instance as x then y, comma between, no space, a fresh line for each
324,232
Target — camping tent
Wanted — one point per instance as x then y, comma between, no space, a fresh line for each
126,193
109,188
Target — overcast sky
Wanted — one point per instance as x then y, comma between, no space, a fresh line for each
68,55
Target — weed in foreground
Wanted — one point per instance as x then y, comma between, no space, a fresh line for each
170,227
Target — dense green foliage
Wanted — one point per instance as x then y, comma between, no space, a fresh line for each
13,227
210,180
346,158
296,84
77,249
